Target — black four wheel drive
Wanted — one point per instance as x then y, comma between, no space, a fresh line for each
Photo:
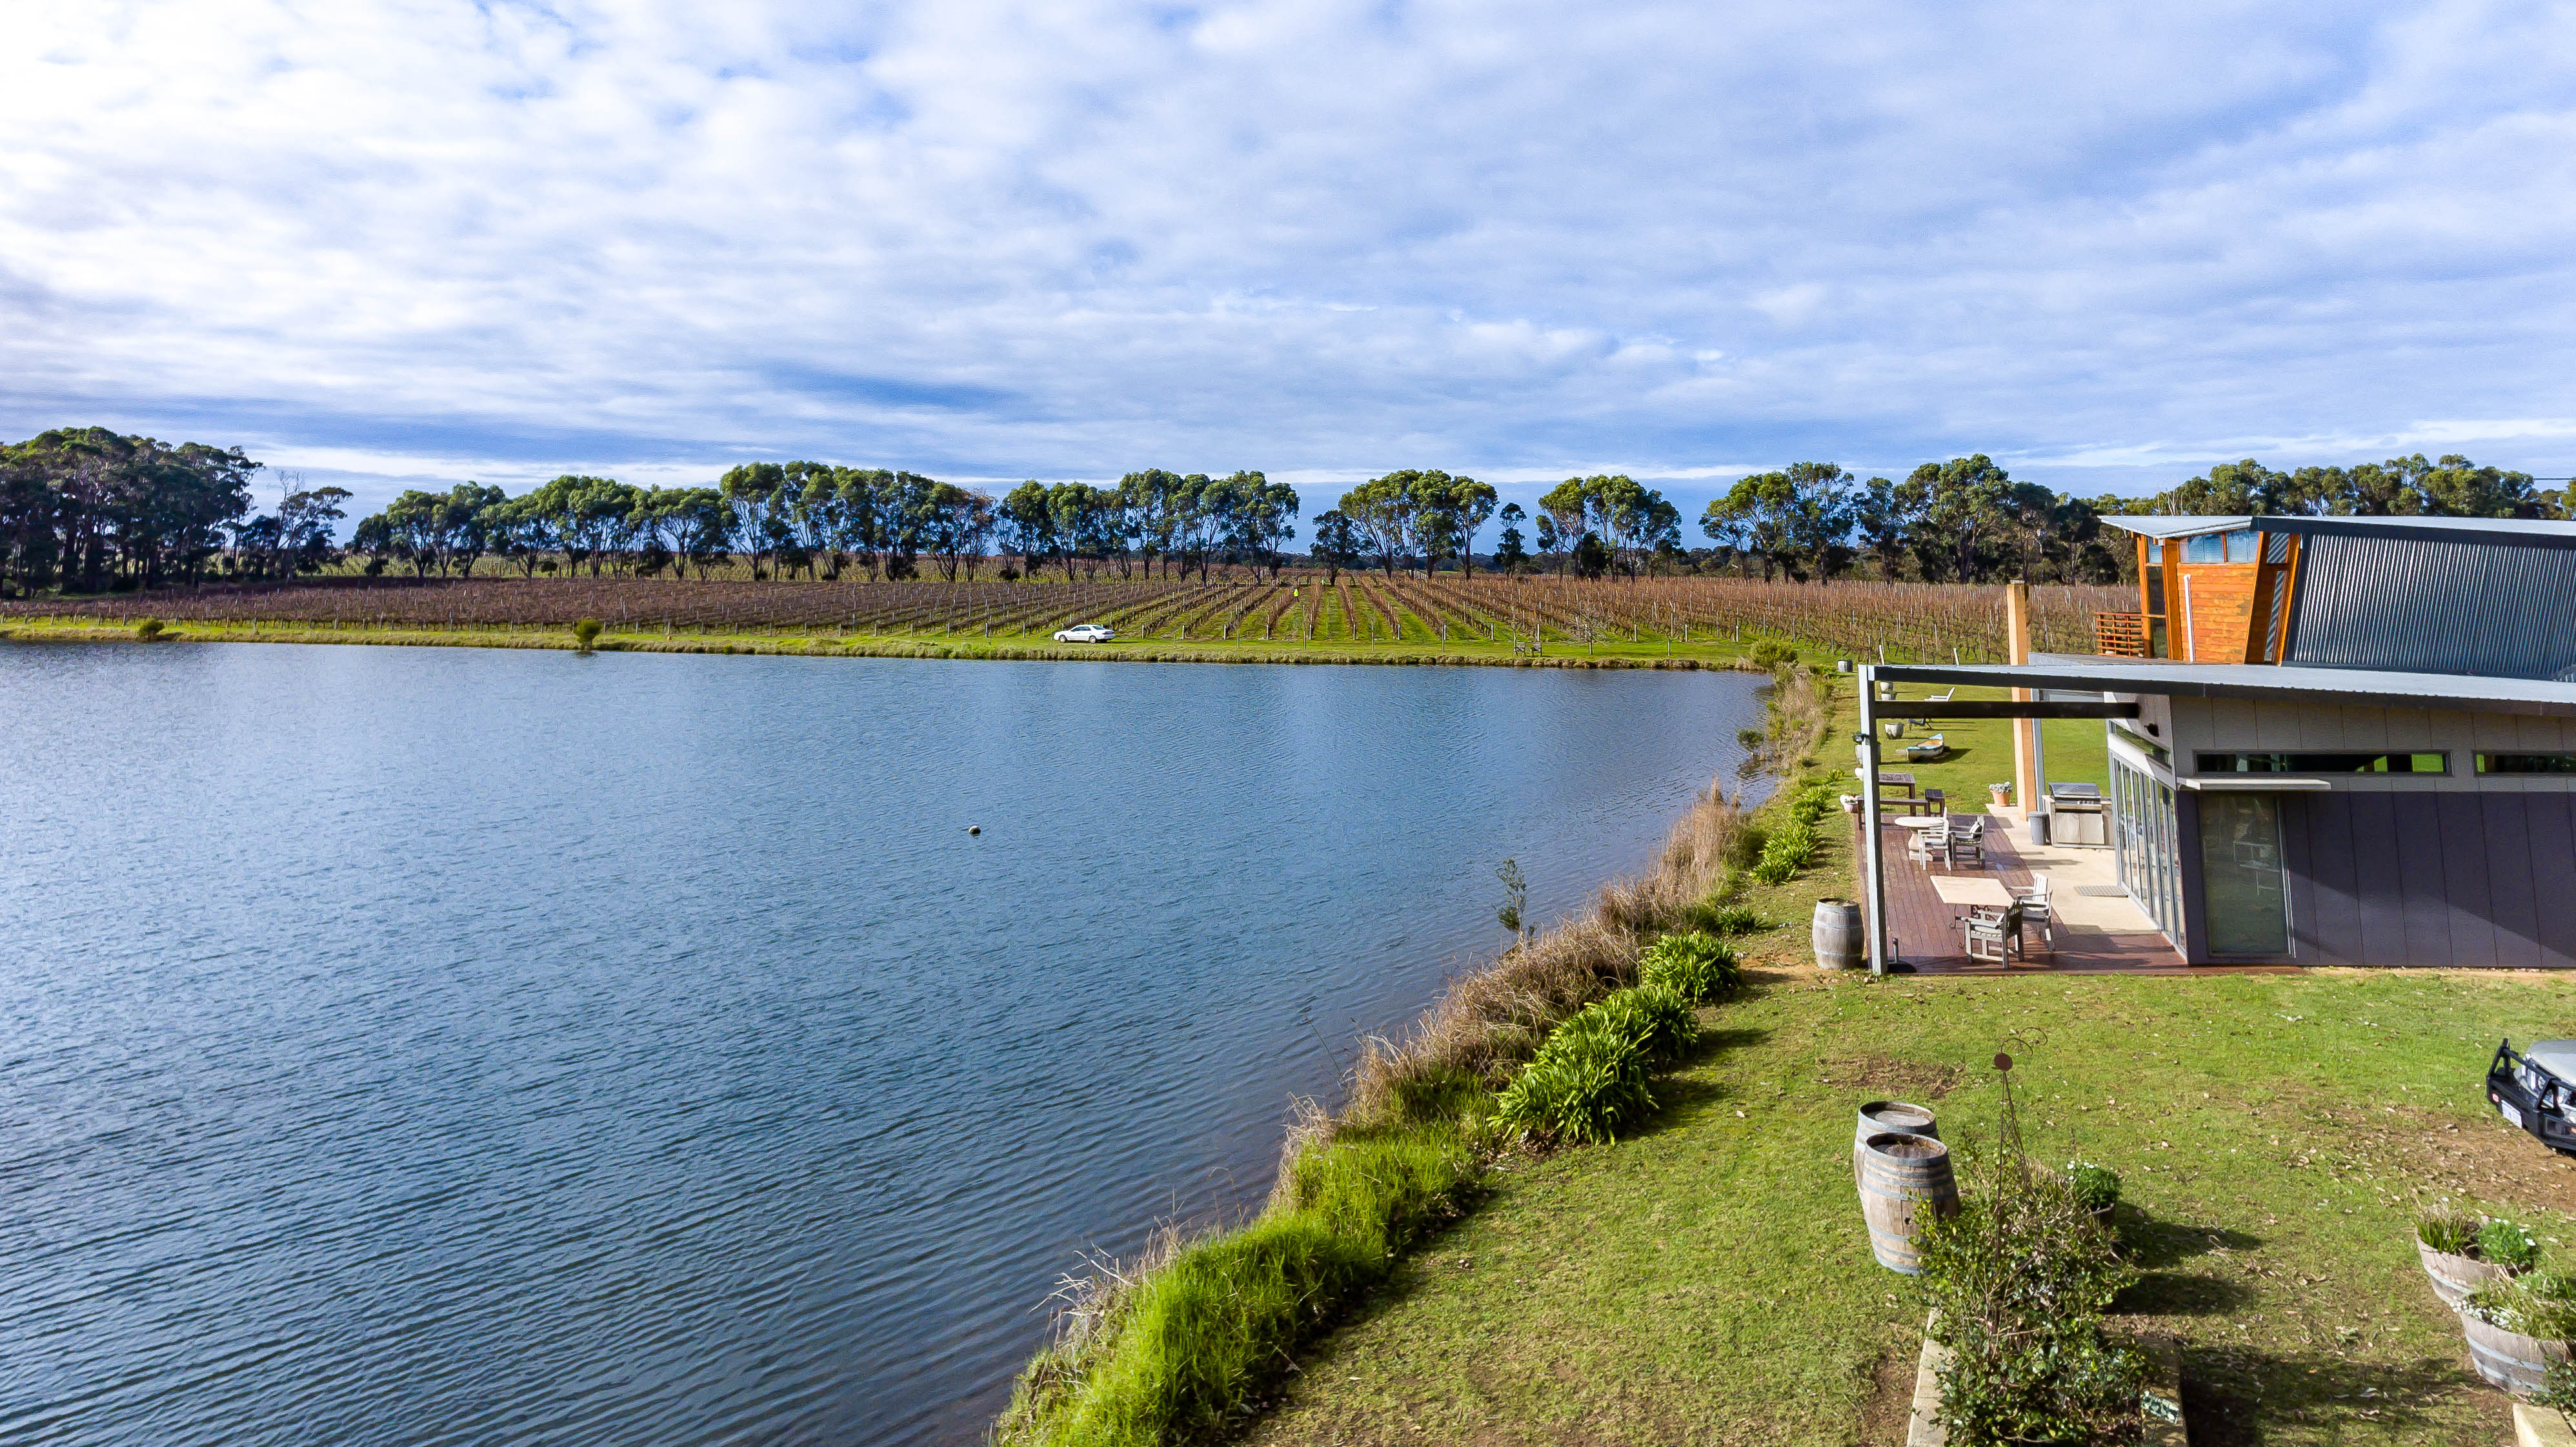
2536,1090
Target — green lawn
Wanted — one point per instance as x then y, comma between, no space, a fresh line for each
1981,749
1710,1279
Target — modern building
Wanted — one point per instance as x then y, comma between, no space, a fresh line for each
2334,741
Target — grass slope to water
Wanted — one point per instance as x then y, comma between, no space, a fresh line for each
1709,1280
1184,1345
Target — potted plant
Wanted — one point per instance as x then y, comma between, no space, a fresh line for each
2461,1252
2519,1328
2097,1189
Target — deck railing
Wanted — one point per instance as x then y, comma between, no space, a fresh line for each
2120,635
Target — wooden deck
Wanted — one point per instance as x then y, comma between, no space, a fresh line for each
1926,931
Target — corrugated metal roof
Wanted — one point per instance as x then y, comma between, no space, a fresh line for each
2384,599
2512,532
2247,680
2515,532
2172,526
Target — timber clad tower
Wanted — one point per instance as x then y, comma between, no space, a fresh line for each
2335,741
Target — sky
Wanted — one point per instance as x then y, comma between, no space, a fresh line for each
401,245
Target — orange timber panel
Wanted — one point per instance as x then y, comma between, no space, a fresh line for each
2222,610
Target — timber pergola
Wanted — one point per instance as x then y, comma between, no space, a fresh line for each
1873,850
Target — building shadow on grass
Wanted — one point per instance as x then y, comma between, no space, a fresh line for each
2235,1396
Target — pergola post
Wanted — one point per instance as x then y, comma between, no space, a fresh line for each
1873,856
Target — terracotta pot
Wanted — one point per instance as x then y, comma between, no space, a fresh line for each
2453,1276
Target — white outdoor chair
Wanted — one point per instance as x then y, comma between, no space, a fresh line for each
2036,914
1942,697
1967,838
1929,841
1991,934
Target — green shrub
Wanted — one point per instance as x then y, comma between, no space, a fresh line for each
2021,1278
1772,654
2096,1187
2558,1389
1587,1081
1745,849
586,632
1696,966
2508,1246
2446,1230
1788,851
1657,1017
148,629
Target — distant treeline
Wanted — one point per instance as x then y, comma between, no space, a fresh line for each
86,510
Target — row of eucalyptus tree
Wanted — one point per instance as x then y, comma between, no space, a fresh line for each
88,509
1152,520
786,519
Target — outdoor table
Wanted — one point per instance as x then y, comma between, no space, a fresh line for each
1919,821
1889,778
1972,889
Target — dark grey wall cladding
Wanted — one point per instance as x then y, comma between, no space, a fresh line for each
2414,605
2432,879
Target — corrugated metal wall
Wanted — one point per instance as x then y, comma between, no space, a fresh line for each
2476,880
2417,606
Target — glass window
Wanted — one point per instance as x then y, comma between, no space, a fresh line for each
2142,839
2240,874
2527,763
2323,763
2206,548
2136,740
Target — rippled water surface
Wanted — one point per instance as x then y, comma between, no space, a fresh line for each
412,1045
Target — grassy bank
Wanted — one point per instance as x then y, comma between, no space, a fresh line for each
1709,1279
1190,1342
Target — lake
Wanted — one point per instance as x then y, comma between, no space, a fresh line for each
429,1045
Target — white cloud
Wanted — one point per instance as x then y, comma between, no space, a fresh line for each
1326,239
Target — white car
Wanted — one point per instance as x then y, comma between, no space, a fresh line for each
1084,633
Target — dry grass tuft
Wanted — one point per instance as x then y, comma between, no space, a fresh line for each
1491,1021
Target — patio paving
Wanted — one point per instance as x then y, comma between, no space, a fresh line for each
2096,934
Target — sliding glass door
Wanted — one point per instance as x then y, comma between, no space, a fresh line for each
2240,874
2143,837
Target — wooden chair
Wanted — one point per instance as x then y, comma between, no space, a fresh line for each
2036,915
1928,842
1992,934
1967,838
1942,697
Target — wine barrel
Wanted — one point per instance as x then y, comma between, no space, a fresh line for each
2519,1364
1902,1177
2454,1277
1902,1117
1837,935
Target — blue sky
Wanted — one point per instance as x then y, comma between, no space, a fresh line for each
401,245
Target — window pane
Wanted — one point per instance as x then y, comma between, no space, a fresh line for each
2240,874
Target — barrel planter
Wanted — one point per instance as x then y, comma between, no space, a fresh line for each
1837,935
2519,1364
1885,1117
1903,1177
2454,1277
